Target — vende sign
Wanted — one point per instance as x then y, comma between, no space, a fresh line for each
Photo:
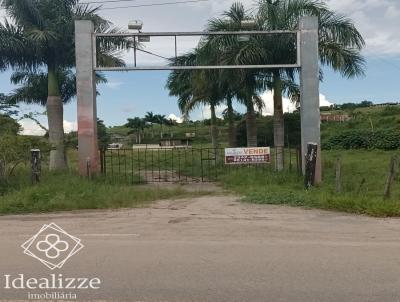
247,155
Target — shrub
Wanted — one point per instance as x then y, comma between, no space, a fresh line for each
364,139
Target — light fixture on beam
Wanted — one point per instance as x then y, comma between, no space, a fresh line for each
248,24
144,39
135,25
243,38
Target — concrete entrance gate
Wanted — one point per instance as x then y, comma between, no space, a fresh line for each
86,66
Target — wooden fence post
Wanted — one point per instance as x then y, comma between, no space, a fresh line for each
338,173
35,165
393,167
299,161
310,164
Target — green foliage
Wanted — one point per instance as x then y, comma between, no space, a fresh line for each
61,192
136,124
351,106
370,127
104,139
363,180
265,133
364,139
8,125
6,108
14,152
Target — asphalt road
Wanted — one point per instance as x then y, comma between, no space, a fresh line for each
215,249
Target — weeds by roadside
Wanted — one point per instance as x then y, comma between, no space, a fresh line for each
61,192
364,174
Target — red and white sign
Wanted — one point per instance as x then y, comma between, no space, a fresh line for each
239,156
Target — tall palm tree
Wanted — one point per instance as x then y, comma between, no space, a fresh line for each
137,125
160,120
33,86
40,37
340,46
195,88
230,50
150,117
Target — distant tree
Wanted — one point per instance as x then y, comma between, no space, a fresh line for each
366,104
6,108
104,139
160,120
236,116
39,37
150,117
8,125
137,126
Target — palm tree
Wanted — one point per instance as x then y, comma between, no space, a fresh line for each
196,88
150,118
33,86
160,120
242,84
340,45
40,38
33,90
137,125
7,108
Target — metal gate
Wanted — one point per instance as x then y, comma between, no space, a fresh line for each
179,165
156,165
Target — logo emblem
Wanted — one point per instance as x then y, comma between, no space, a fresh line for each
52,246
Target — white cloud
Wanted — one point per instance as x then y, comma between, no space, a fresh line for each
288,106
173,117
373,18
206,112
378,22
113,84
29,127
324,102
70,126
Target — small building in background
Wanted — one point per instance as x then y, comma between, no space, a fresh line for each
176,142
335,118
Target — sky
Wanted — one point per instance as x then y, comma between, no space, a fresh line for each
133,94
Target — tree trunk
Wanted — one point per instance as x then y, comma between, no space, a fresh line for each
279,124
55,116
214,129
231,125
251,124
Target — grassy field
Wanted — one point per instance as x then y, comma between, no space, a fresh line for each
61,192
363,178
364,174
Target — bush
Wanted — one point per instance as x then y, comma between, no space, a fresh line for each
14,152
364,139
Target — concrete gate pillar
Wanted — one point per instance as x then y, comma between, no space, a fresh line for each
86,98
309,91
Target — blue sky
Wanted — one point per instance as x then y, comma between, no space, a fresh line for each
132,94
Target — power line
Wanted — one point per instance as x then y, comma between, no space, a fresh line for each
152,53
154,4
386,61
106,1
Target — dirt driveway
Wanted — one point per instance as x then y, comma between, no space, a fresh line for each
215,248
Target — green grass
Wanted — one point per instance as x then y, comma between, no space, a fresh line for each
364,175
286,188
61,192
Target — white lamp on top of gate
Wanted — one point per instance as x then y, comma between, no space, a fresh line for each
135,25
